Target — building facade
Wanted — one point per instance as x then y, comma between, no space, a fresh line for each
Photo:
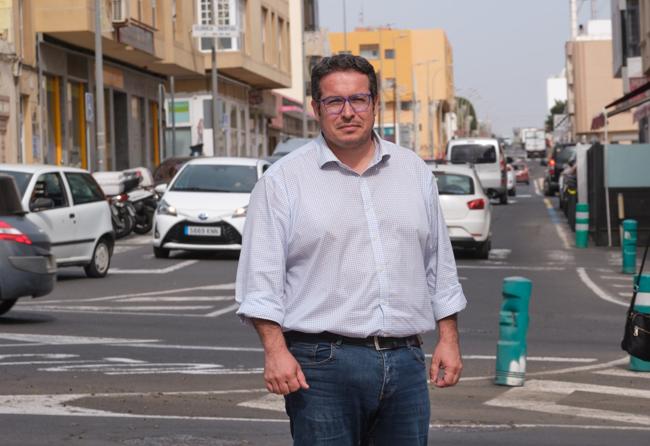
415,70
591,85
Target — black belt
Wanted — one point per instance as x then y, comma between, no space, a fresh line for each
376,342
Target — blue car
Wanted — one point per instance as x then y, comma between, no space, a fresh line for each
27,268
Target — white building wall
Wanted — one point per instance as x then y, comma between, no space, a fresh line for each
556,90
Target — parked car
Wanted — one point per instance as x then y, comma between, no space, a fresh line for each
166,170
557,160
68,204
465,207
27,268
286,147
522,174
488,158
204,207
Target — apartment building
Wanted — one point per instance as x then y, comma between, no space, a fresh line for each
250,65
415,69
47,78
591,85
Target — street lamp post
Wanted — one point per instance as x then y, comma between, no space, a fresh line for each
429,117
99,88
215,117
396,98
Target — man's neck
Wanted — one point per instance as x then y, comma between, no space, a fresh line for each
356,158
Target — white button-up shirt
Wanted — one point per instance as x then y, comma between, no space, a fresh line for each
327,249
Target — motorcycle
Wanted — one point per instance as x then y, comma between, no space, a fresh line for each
122,215
143,198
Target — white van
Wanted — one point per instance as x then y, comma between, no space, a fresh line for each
488,159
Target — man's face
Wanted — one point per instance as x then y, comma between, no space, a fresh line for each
351,127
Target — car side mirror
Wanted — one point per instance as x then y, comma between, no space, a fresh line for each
161,188
41,204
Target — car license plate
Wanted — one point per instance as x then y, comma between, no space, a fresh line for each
205,231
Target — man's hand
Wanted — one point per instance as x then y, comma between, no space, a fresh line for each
282,373
446,363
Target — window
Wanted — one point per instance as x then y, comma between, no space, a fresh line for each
389,54
473,153
21,178
226,17
406,105
630,24
389,82
216,178
369,51
50,186
454,184
84,188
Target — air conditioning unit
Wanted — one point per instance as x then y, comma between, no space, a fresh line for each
119,11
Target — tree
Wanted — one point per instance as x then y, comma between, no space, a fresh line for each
559,108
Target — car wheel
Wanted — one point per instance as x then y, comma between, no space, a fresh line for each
547,189
160,253
503,198
101,260
512,192
483,250
144,227
5,305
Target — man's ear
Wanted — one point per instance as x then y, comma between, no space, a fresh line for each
315,107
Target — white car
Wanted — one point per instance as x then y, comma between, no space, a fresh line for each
465,207
204,206
68,204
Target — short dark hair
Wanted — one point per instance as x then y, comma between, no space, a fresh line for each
341,62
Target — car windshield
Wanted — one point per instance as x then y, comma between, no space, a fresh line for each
473,153
563,155
454,184
21,178
289,145
216,178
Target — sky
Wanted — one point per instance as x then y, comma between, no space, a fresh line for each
504,50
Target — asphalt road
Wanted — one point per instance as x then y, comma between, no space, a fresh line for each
154,355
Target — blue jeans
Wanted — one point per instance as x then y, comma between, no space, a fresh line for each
359,396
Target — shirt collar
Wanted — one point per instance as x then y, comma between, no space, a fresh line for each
326,155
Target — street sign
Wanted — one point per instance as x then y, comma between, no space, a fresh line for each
90,107
215,31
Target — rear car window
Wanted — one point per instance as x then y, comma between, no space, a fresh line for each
473,153
84,188
21,179
564,154
216,178
454,184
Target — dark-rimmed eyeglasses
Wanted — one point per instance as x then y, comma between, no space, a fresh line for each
334,105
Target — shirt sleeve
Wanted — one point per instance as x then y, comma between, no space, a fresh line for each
442,276
261,271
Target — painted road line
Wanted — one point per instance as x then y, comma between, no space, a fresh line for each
195,347
110,312
136,240
524,196
582,273
177,299
167,270
499,254
68,340
220,287
544,396
621,278
223,311
113,368
91,309
513,267
622,286
557,224
535,358
623,373
267,402
537,188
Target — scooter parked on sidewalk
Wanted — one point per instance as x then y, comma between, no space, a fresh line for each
143,198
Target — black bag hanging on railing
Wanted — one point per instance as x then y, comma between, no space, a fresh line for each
636,339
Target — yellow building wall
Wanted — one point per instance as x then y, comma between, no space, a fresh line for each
418,54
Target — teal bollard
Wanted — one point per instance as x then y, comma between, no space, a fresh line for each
582,225
642,305
628,246
513,326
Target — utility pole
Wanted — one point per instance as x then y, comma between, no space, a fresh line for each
382,103
172,88
99,88
345,28
215,111
416,124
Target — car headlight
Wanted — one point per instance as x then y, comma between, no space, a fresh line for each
165,209
240,212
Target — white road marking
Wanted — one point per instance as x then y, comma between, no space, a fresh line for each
177,299
499,254
624,373
543,396
625,278
167,270
536,358
222,311
621,286
560,229
68,340
92,309
197,347
582,273
624,294
40,355
512,267
267,402
120,368
537,192
136,240
524,196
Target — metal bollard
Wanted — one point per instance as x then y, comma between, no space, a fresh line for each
642,305
582,225
513,326
628,246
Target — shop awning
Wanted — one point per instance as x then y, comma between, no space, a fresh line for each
634,98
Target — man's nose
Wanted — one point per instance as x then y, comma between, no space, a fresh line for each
347,111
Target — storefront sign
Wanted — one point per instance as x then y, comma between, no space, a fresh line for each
139,38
